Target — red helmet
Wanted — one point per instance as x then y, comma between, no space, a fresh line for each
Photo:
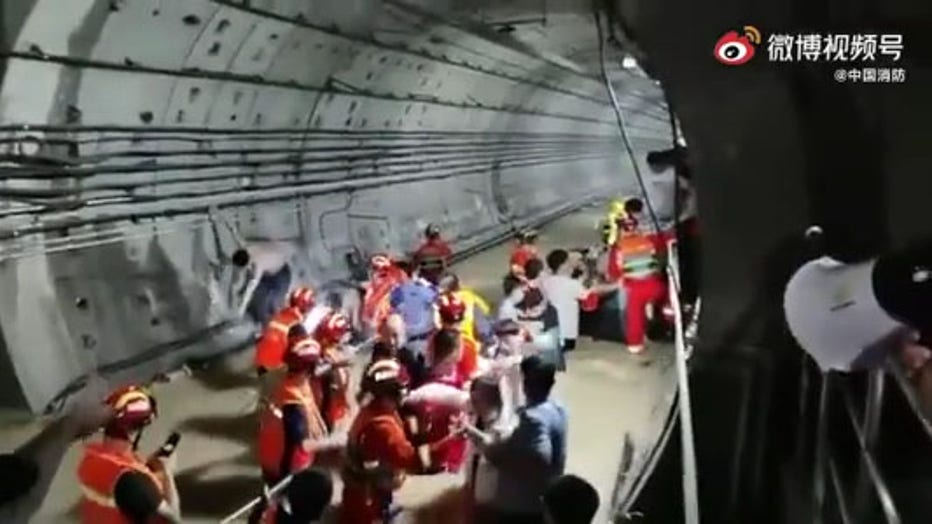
133,408
451,308
383,378
332,328
303,355
301,297
380,263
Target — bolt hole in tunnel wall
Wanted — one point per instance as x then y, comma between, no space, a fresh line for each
142,140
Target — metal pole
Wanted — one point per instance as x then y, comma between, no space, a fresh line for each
690,487
818,474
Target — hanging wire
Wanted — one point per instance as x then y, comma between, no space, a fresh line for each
626,138
690,487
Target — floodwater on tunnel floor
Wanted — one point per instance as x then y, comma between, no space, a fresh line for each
607,392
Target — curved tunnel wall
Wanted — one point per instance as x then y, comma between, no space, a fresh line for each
144,139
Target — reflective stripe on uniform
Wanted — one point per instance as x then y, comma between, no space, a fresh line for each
279,326
97,498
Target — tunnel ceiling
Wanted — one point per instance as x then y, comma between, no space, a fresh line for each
145,141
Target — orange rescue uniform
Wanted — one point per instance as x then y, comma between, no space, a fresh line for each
270,351
375,304
98,473
331,391
379,456
293,390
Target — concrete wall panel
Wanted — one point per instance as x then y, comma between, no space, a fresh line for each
162,135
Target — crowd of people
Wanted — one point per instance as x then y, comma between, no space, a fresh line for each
451,386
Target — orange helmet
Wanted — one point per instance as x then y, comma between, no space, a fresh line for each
133,408
383,378
380,263
332,328
303,355
451,308
301,297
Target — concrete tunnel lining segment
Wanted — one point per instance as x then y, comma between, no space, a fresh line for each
102,81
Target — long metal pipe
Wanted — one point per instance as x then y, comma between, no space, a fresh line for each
198,205
366,170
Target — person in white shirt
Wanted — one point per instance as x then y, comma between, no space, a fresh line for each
490,425
565,292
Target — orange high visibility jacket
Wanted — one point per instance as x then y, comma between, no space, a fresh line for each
331,392
98,472
378,456
293,390
271,348
633,257
468,366
375,303
521,256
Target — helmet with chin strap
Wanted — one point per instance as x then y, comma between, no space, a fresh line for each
133,408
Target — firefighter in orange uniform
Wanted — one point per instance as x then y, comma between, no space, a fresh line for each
634,262
451,312
384,277
331,382
524,251
272,346
379,453
113,461
434,249
291,422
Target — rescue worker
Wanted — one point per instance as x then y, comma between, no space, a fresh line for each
433,249
291,421
305,501
119,486
524,252
475,323
451,314
331,383
447,450
379,453
384,277
273,344
635,263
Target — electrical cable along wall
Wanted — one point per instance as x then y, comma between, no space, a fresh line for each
143,141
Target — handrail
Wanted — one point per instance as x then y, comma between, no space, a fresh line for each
899,374
883,492
690,487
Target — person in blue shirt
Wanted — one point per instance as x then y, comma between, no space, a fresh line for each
414,300
534,455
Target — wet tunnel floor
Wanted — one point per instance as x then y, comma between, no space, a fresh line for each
608,394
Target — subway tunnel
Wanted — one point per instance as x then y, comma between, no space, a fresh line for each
147,142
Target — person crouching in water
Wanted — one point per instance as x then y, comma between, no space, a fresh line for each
379,454
291,421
